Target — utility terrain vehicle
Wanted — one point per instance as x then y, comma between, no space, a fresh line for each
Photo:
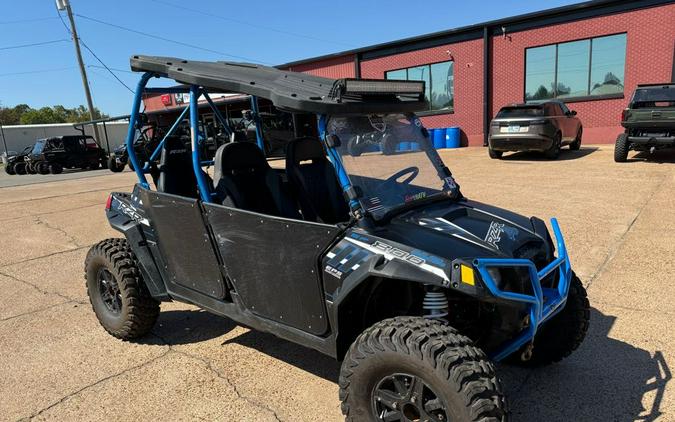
376,260
16,164
52,155
649,121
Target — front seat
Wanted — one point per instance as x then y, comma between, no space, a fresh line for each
315,182
176,175
243,179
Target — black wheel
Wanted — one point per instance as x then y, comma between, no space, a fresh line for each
43,167
55,168
30,168
20,167
621,148
116,290
113,166
9,169
353,147
411,368
553,152
495,154
564,333
576,144
388,145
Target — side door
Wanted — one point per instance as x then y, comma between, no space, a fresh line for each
273,263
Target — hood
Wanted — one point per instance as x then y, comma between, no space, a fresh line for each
470,229
120,149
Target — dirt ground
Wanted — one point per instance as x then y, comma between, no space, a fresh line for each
57,363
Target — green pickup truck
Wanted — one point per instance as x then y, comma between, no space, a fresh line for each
649,121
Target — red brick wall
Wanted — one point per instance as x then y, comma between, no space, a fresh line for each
468,58
336,67
649,58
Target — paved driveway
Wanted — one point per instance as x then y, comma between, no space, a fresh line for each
56,363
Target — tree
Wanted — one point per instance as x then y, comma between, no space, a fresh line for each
26,115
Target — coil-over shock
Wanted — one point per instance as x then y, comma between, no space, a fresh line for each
435,304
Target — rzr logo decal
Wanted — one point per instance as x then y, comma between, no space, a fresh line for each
494,233
130,212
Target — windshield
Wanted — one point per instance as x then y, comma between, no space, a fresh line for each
39,146
386,159
653,97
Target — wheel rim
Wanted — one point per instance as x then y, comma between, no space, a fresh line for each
109,291
405,397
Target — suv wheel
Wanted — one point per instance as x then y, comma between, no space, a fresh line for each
553,152
574,146
20,167
564,333
116,290
412,368
495,154
55,168
621,148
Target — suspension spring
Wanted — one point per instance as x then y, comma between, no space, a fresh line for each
435,304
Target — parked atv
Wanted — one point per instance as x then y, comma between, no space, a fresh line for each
16,163
146,142
378,261
52,155
649,121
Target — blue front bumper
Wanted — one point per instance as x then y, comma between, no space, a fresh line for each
544,304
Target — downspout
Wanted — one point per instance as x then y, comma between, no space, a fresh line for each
357,65
487,91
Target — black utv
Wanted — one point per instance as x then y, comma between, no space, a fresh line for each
52,155
16,164
649,121
377,260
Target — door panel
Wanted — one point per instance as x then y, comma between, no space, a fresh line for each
184,242
273,263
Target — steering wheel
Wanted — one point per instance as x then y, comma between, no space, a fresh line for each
392,181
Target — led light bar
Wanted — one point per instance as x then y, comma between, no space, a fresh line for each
376,86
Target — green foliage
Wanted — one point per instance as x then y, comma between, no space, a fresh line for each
23,114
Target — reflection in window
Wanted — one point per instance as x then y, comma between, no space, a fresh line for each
576,69
438,80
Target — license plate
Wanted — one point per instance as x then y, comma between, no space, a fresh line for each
513,129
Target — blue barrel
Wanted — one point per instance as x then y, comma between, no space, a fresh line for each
452,137
415,146
439,138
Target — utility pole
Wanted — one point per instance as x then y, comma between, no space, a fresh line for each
65,4
4,141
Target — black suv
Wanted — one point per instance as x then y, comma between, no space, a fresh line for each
649,121
542,127
52,155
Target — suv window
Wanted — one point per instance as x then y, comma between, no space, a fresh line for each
654,97
564,108
520,111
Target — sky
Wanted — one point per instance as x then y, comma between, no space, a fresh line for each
268,32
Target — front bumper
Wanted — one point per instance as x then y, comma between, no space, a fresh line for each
543,304
520,142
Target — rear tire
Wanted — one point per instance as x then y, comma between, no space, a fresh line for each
55,168
412,368
495,155
9,169
621,148
353,148
553,152
43,167
116,291
388,145
20,168
564,333
113,166
574,146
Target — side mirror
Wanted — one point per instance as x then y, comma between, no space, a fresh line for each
572,113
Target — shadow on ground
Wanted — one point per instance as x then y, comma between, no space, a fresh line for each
565,154
661,156
606,379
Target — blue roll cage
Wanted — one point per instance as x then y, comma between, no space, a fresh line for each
542,305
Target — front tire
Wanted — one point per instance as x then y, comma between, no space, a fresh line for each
9,169
564,333
20,168
116,291
412,368
621,148
495,155
553,152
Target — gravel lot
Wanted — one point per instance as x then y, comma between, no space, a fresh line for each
57,363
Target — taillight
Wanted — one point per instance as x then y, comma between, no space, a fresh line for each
624,115
108,203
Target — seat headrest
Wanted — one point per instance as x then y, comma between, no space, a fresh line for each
240,155
303,149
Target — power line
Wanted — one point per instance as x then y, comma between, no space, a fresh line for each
33,44
114,69
58,69
161,38
254,25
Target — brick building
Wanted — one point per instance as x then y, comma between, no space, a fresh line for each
590,55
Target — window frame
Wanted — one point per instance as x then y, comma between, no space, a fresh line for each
429,112
579,98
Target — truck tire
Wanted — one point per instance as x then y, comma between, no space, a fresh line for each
9,169
116,291
576,144
495,154
621,148
55,168
562,334
20,167
553,152
413,368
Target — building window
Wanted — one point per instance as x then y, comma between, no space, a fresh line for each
589,67
438,80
